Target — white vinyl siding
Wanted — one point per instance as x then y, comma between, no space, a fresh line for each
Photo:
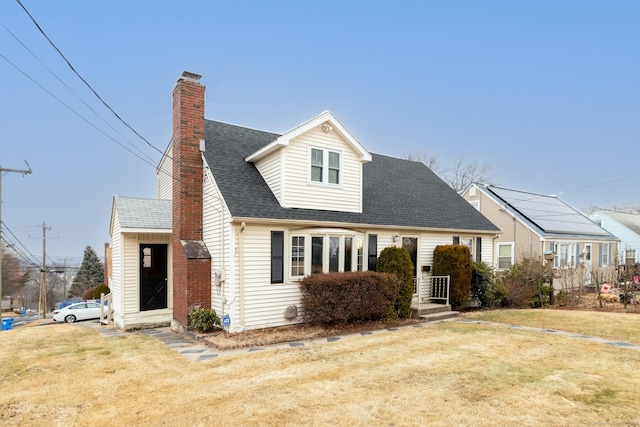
301,192
217,236
271,170
164,176
254,302
264,303
115,282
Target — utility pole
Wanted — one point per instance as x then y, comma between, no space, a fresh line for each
23,172
43,291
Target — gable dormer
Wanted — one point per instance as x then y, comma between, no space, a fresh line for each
317,165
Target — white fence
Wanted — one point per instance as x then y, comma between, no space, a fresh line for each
106,309
433,288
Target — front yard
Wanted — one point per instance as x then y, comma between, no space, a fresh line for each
453,373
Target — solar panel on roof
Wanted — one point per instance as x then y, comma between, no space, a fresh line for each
549,213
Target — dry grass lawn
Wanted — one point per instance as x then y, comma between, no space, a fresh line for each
448,374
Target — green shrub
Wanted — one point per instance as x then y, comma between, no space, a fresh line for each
102,288
455,261
342,298
527,284
204,319
484,288
398,261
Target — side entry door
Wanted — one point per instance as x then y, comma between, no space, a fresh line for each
153,277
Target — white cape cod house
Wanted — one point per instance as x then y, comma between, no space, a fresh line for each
243,215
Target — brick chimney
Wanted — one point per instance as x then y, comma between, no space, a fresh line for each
191,259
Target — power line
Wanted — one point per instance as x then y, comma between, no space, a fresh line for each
84,81
71,90
17,242
74,111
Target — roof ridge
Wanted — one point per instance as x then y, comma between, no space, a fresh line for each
242,126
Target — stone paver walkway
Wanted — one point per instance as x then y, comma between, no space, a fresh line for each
195,350
558,332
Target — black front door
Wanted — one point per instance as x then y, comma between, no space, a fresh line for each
153,277
411,245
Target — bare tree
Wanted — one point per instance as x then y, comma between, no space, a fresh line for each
463,173
432,161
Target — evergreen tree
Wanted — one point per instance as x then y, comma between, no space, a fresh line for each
90,274
398,261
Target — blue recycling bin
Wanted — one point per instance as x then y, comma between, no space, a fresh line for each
7,323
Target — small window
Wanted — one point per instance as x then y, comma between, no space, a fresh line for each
334,168
317,157
630,256
334,253
146,257
348,253
297,256
317,249
475,204
505,255
605,254
360,254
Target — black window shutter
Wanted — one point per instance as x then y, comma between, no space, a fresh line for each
456,240
373,252
478,249
277,256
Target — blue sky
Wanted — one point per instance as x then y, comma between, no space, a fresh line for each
546,91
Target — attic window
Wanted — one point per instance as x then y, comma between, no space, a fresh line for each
321,174
317,157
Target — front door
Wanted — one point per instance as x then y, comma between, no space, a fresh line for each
153,277
411,245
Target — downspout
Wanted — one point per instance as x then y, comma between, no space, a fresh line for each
241,273
223,273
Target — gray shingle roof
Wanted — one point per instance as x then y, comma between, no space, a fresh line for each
631,221
136,212
396,192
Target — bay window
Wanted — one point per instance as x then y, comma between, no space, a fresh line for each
313,252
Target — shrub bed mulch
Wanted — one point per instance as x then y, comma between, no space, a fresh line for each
261,337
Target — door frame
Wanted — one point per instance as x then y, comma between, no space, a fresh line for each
163,278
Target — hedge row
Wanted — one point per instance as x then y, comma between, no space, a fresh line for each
341,298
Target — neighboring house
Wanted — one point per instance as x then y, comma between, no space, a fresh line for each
243,215
626,227
545,227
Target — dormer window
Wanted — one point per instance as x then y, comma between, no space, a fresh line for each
321,174
334,168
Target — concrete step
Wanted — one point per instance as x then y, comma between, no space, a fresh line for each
429,309
433,317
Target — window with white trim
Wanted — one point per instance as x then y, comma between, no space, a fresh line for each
325,166
505,255
360,254
297,256
605,254
565,255
630,256
323,252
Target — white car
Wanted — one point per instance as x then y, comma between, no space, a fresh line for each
78,311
